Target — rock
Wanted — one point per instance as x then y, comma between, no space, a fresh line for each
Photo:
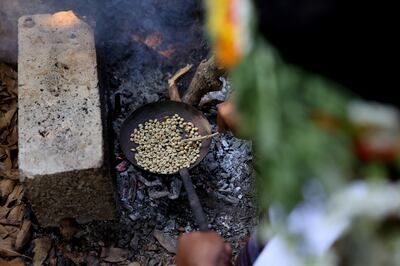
134,216
139,195
228,199
153,262
61,143
170,225
154,194
166,241
175,190
114,254
134,241
212,165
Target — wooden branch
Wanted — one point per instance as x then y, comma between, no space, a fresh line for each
172,88
205,79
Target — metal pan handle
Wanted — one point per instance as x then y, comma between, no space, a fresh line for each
194,201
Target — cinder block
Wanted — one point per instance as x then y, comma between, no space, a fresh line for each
61,147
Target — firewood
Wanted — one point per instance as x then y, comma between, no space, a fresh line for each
205,79
172,88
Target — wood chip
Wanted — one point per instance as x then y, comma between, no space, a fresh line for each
114,254
166,241
41,250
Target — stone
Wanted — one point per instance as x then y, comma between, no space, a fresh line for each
61,146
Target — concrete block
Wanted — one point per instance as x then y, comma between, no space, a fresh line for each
61,147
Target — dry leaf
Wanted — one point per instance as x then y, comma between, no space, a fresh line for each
168,242
6,118
12,232
77,257
3,213
15,196
52,257
23,235
9,78
3,231
41,250
6,187
6,222
16,215
6,163
11,174
14,262
7,248
3,154
114,254
12,138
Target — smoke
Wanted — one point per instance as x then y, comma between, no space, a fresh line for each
10,11
113,20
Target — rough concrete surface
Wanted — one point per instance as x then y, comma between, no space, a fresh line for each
61,153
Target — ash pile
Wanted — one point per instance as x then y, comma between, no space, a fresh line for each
155,208
140,45
154,204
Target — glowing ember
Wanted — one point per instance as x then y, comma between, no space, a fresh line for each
64,19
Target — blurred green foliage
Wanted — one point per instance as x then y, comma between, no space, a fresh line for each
276,101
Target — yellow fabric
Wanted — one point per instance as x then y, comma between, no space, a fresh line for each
224,27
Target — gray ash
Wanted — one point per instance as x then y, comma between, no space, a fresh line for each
140,44
138,75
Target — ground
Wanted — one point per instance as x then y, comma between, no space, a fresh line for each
140,45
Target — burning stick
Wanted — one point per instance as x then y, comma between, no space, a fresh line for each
172,88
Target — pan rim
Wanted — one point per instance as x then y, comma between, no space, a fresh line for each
188,109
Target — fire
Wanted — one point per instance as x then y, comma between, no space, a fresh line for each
154,42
